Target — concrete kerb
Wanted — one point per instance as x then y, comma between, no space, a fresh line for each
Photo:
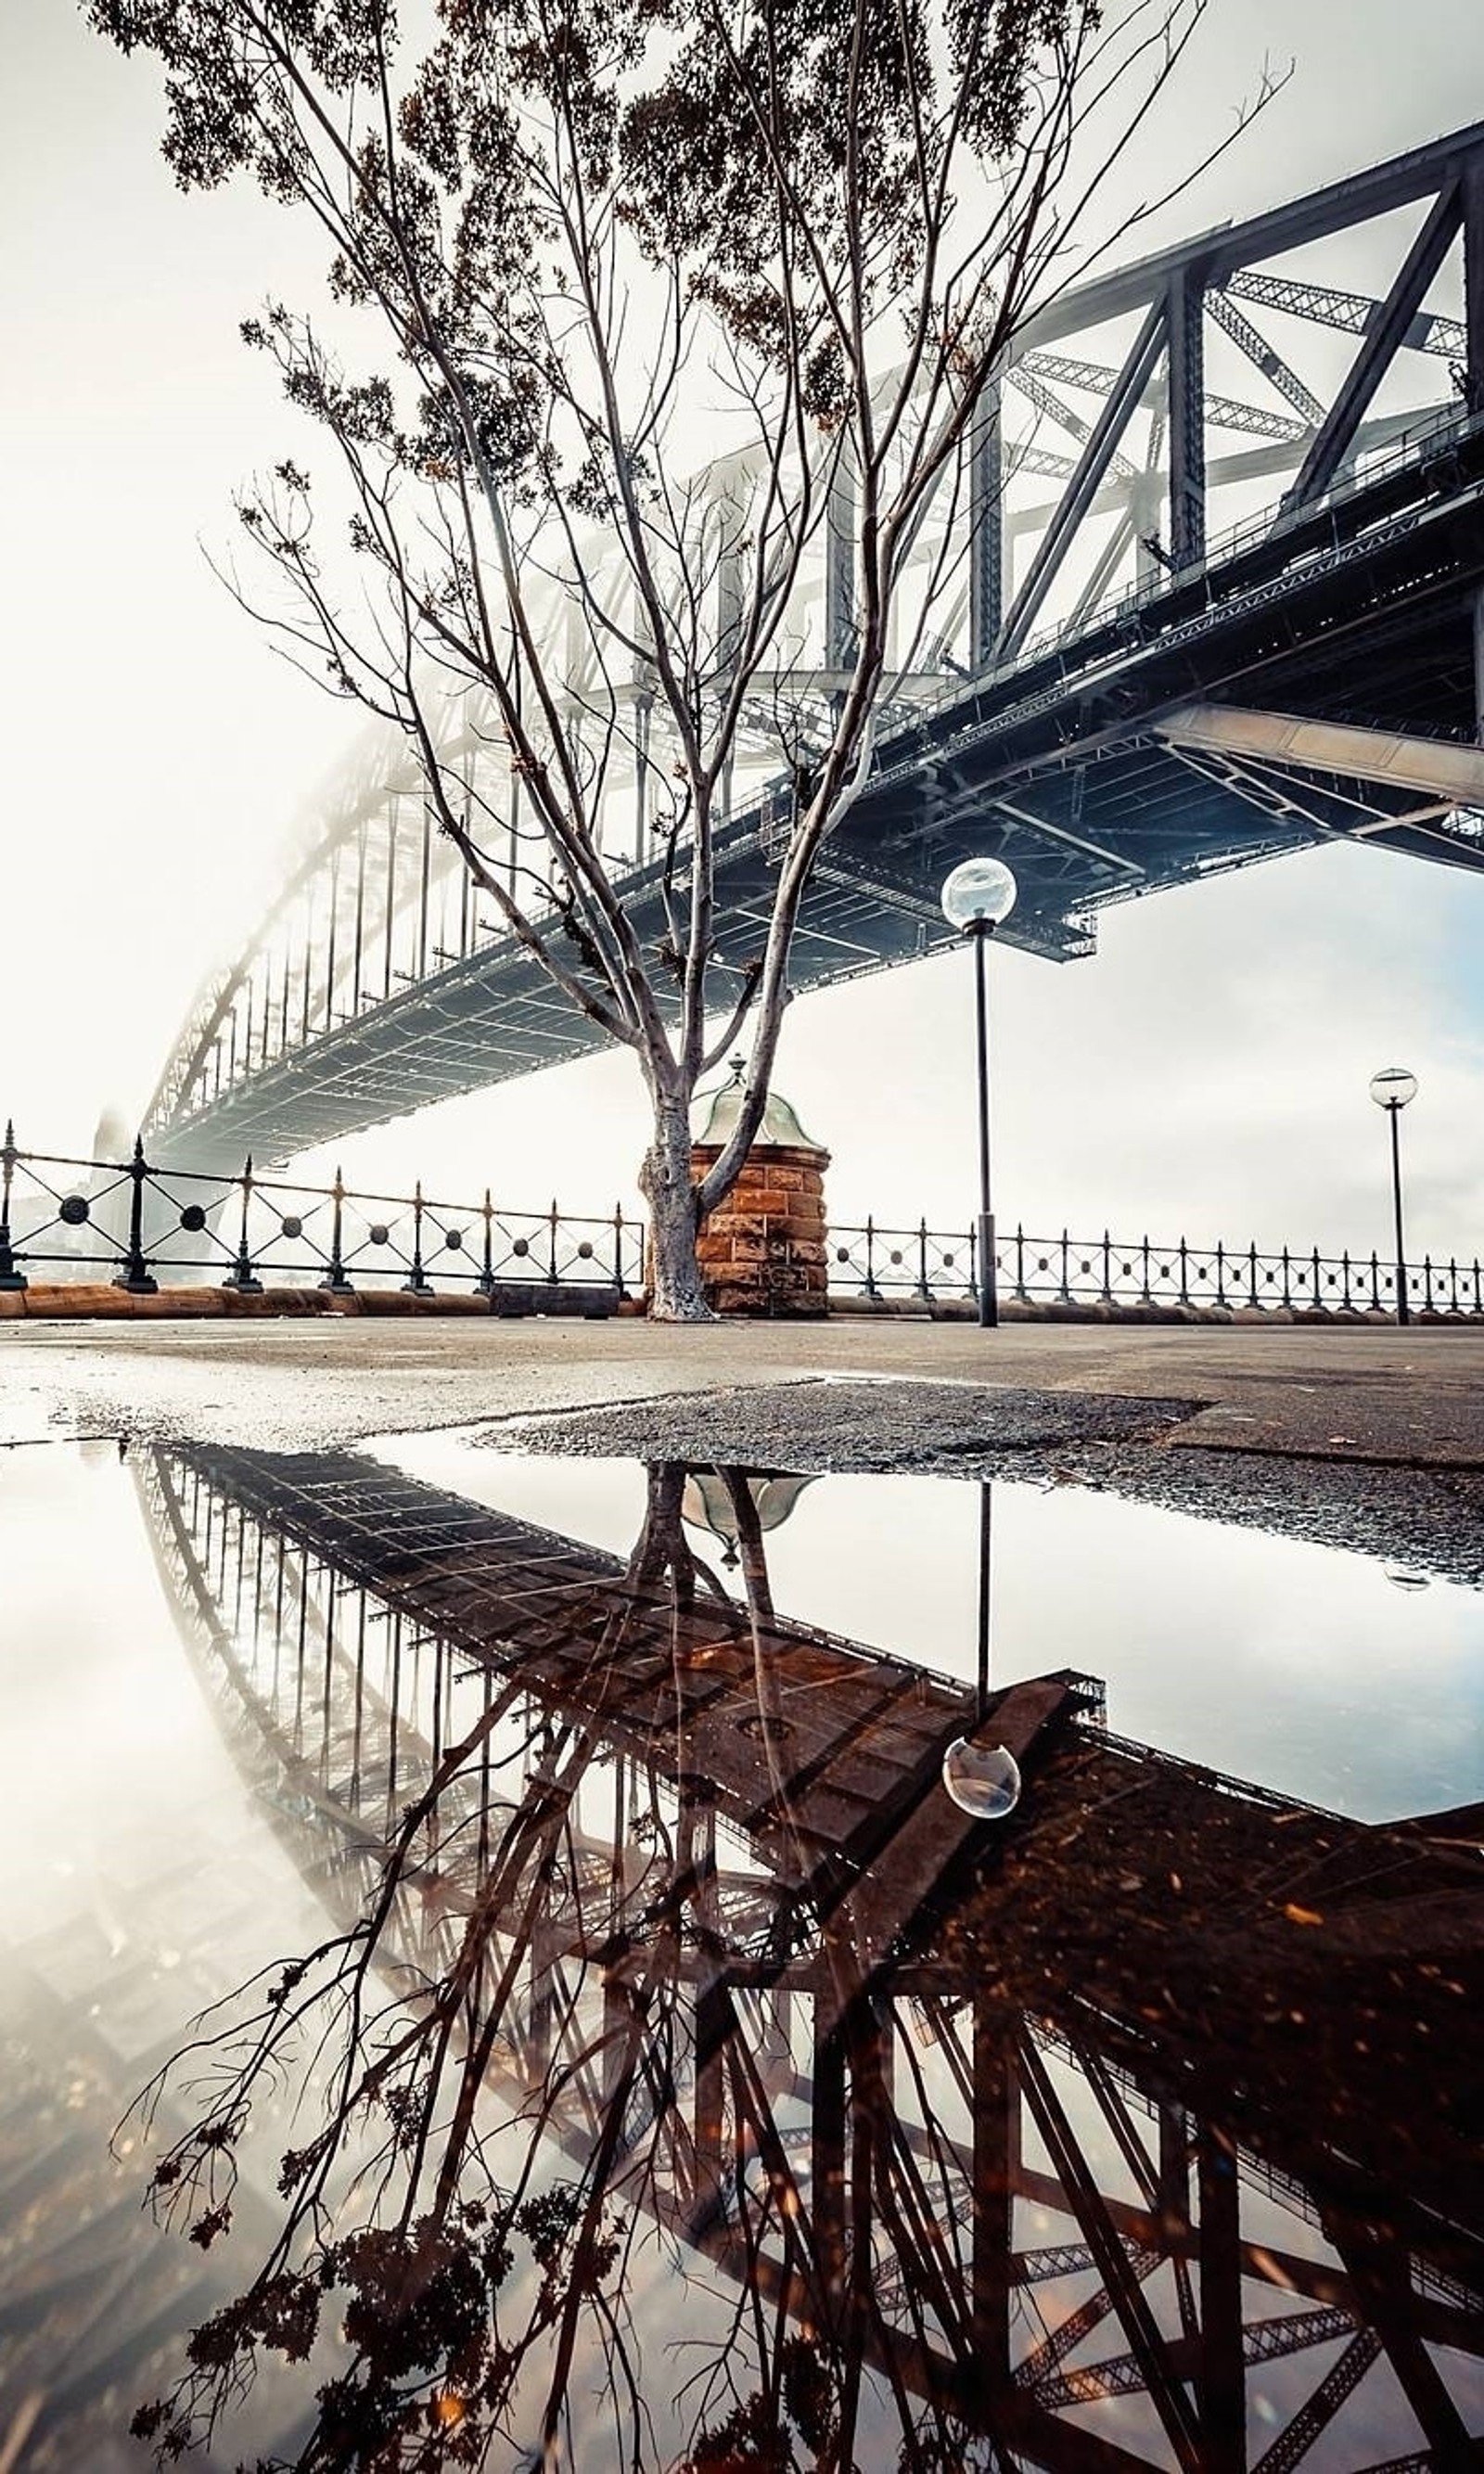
99,1301
89,1302
1058,1310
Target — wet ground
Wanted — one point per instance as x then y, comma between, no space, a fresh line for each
1333,1391
1365,1438
626,2041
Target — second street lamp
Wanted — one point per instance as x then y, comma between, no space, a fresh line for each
976,897
1391,1089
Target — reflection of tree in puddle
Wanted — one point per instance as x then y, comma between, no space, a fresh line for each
699,2090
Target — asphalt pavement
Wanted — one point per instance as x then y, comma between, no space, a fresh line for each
1343,1393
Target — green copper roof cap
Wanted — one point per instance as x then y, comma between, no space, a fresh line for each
779,1123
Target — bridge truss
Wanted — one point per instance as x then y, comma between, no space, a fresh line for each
1242,620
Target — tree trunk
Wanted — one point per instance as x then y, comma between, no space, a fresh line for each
676,1294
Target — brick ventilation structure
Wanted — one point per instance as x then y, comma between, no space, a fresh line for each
764,1251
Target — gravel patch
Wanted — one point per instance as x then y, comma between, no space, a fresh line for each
958,1429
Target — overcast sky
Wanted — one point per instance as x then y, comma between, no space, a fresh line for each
1206,1072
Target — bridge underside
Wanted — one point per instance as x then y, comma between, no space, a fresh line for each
1155,751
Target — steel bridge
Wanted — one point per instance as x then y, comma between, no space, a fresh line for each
1093,2192
1220,558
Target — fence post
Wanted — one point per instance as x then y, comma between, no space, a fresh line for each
1316,1276
417,1284
923,1289
1184,1269
1452,1284
485,1283
1426,1284
552,1221
335,1282
1107,1269
1345,1267
1020,1259
617,1249
9,1277
1066,1293
1221,1259
871,1289
973,1253
135,1275
242,1277
1251,1274
1376,1282
1287,1297
1145,1298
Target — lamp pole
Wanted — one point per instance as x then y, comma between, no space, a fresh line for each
1403,1307
1391,1089
981,929
978,895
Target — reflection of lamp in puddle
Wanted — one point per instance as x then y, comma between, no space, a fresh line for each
982,1778
707,1504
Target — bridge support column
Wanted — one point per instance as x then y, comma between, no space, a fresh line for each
827,2123
1473,286
997,2144
1221,2380
643,709
840,571
987,530
1184,315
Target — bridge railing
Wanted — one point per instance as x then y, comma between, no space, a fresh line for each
936,1265
143,1227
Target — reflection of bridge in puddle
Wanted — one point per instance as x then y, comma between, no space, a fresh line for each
1138,2132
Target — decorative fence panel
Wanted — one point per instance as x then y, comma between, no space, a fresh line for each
939,1265
146,1226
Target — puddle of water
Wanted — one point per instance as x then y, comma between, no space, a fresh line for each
668,2072
1304,1669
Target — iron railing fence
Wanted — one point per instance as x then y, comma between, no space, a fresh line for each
142,1225
936,1265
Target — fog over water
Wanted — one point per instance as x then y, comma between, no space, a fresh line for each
1207,1071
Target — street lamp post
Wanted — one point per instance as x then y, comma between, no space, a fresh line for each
1391,1089
977,896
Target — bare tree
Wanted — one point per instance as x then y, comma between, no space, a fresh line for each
672,306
